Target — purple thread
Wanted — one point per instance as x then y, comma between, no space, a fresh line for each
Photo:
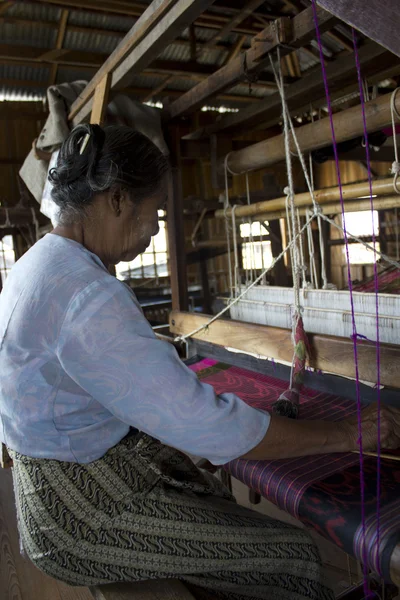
376,285
367,590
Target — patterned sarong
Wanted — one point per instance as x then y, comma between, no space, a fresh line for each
322,491
145,511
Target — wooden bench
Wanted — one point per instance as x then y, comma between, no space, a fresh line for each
158,589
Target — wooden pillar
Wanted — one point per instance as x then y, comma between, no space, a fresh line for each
280,273
100,100
175,226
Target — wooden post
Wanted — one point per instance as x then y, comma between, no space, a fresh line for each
175,227
62,28
100,101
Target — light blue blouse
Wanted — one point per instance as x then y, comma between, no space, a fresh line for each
79,365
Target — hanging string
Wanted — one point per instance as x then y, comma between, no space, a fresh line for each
396,164
376,285
303,267
354,327
227,232
311,252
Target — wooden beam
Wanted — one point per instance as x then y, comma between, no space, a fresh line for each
340,74
182,13
330,354
348,125
59,44
335,208
175,227
380,187
138,92
289,33
375,19
136,9
244,12
75,59
100,100
156,11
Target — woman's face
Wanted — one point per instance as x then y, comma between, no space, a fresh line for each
136,225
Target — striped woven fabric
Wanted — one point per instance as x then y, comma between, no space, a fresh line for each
388,282
322,491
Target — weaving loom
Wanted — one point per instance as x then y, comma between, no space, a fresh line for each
322,491
351,499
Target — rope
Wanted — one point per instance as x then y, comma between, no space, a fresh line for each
290,191
354,327
311,252
376,281
396,164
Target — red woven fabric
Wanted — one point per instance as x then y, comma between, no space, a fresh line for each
322,491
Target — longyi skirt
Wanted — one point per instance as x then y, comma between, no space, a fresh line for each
145,511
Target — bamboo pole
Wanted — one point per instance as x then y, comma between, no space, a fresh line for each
348,125
380,187
385,203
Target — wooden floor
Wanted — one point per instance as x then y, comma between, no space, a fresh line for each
19,579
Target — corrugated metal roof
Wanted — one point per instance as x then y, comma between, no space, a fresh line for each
100,20
90,42
306,60
28,35
23,73
38,11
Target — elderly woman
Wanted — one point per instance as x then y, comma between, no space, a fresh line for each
97,413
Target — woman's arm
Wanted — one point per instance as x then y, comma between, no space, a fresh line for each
287,438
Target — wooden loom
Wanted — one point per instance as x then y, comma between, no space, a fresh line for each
261,321
161,22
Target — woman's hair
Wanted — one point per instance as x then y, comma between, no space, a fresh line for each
94,159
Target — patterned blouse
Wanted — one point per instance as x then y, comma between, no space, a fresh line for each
80,365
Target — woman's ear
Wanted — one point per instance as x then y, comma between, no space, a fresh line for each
117,200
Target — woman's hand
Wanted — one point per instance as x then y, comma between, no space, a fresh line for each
390,428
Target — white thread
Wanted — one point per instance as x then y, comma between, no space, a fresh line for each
396,164
311,252
286,131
